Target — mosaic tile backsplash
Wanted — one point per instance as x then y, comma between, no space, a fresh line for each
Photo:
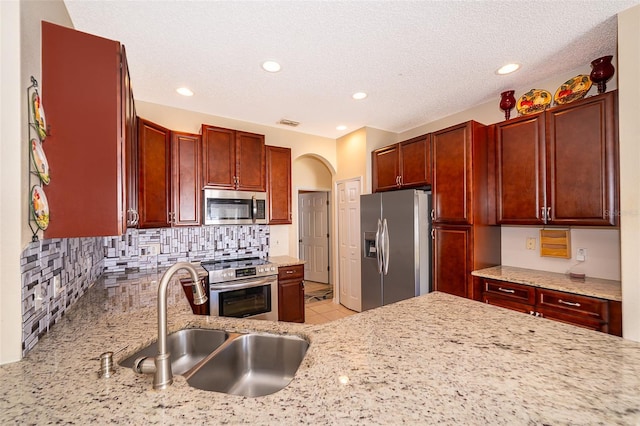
78,262
141,249
75,262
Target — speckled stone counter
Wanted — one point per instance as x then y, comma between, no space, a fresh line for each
595,287
432,359
285,260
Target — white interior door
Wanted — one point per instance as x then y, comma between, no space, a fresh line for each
313,222
349,244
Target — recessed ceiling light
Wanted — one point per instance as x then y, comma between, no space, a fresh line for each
341,127
507,69
359,95
184,91
271,66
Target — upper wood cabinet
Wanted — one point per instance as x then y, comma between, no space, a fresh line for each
560,167
403,165
85,88
233,159
461,187
131,147
279,184
186,184
154,175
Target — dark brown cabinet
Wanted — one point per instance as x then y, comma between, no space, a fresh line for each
291,293
233,159
131,147
186,184
584,311
154,175
560,167
279,184
403,165
86,91
464,235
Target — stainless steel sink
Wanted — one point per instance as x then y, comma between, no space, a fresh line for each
187,347
250,365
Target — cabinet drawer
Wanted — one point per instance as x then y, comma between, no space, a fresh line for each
510,291
290,272
505,302
573,304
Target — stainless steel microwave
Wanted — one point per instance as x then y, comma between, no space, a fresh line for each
222,207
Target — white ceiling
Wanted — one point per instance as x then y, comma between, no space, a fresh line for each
417,60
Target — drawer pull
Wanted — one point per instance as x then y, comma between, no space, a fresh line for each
289,272
506,290
576,304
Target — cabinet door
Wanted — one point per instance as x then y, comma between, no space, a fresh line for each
384,166
452,174
186,187
154,175
279,185
250,162
131,146
82,93
415,162
520,152
291,301
583,156
451,259
219,157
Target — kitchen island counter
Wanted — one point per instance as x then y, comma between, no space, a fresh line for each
432,359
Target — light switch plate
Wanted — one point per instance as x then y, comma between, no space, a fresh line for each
531,243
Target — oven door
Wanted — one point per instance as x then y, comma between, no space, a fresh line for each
249,298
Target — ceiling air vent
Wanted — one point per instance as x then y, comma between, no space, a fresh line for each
291,123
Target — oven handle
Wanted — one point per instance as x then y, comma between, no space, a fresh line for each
238,285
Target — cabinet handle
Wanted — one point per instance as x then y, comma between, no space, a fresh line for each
548,213
433,214
433,234
289,272
506,290
544,214
576,304
532,313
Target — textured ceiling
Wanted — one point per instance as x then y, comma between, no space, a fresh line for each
418,61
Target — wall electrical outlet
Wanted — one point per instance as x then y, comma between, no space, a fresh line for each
152,249
37,297
57,285
531,243
581,254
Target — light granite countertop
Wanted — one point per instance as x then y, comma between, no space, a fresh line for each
595,287
432,359
285,260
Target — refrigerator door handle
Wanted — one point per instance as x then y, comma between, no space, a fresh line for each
385,243
379,247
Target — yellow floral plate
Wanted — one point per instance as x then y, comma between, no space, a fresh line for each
535,100
39,207
572,90
38,116
40,161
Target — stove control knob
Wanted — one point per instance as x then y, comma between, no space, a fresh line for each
260,270
273,269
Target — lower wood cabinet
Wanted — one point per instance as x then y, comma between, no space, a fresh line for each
584,311
187,286
291,293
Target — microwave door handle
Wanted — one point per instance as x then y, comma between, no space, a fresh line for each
254,208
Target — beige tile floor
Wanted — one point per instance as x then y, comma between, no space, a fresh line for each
323,311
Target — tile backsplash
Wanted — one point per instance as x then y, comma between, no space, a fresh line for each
76,263
141,249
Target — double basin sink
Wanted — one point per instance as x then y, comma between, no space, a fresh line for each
240,364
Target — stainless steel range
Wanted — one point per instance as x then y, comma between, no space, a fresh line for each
243,288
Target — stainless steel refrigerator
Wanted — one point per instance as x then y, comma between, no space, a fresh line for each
396,258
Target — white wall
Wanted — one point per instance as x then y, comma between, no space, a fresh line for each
21,58
629,104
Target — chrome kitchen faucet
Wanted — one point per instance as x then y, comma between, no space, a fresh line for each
160,365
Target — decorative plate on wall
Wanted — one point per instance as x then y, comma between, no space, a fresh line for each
535,100
39,207
572,90
40,161
38,116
